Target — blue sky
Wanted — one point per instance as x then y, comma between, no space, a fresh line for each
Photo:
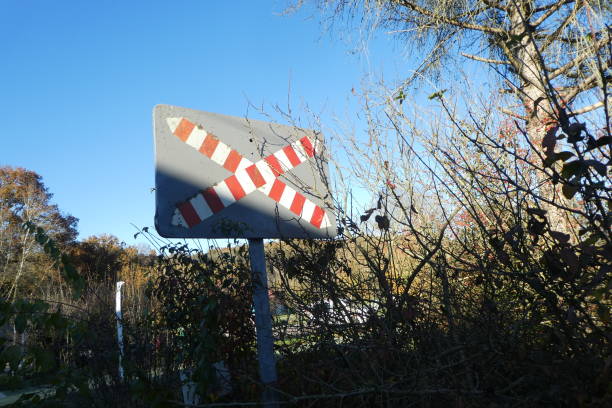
79,80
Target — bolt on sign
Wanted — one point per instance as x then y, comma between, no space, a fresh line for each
221,176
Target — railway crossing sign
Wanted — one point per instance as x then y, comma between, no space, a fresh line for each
221,176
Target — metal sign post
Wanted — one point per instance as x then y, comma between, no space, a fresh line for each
263,322
219,176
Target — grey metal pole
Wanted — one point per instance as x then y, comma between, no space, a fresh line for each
263,323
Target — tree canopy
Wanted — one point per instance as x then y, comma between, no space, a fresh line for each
548,53
25,198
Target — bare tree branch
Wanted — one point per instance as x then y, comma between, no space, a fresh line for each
496,5
487,60
586,109
452,21
552,9
588,83
576,61
513,114
553,37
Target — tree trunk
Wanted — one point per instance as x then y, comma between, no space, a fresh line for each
542,112
13,291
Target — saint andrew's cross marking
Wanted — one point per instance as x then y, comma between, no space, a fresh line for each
217,173
246,178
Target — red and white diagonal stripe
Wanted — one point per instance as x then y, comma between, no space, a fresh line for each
247,177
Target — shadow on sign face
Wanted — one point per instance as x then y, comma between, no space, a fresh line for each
254,216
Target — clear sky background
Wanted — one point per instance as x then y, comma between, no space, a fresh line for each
79,79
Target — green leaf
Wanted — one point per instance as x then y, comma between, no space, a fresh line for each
437,95
598,166
574,132
11,355
559,236
45,360
604,313
592,239
602,141
572,168
592,188
549,141
549,160
536,227
21,322
536,211
569,190
563,156
382,221
57,321
39,306
400,96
